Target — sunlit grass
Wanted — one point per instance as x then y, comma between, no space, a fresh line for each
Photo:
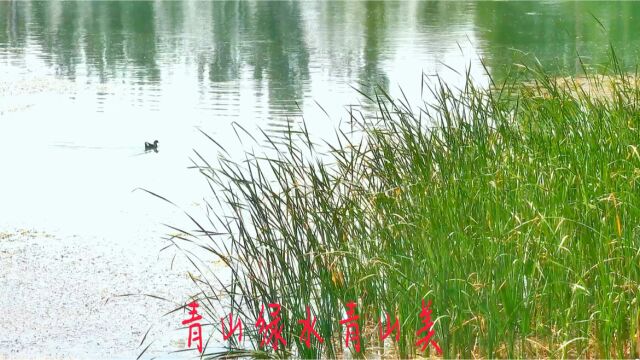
514,209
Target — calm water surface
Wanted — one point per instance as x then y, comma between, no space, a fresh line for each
84,84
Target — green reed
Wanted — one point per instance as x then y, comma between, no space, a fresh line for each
514,209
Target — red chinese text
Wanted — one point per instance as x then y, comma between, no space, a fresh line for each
423,341
226,335
271,332
352,335
389,329
308,329
195,330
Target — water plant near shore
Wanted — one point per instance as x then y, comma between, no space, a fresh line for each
514,208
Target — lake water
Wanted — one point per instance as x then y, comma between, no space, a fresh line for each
84,84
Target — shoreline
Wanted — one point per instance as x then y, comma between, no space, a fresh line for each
82,314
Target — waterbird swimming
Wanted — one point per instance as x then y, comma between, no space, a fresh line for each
149,146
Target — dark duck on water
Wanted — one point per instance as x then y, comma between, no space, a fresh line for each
150,146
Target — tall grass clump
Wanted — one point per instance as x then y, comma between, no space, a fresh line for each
514,208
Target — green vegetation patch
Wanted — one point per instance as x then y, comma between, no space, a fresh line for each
515,213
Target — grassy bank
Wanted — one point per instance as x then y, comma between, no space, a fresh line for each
514,209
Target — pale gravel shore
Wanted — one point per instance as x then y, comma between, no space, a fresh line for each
59,299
